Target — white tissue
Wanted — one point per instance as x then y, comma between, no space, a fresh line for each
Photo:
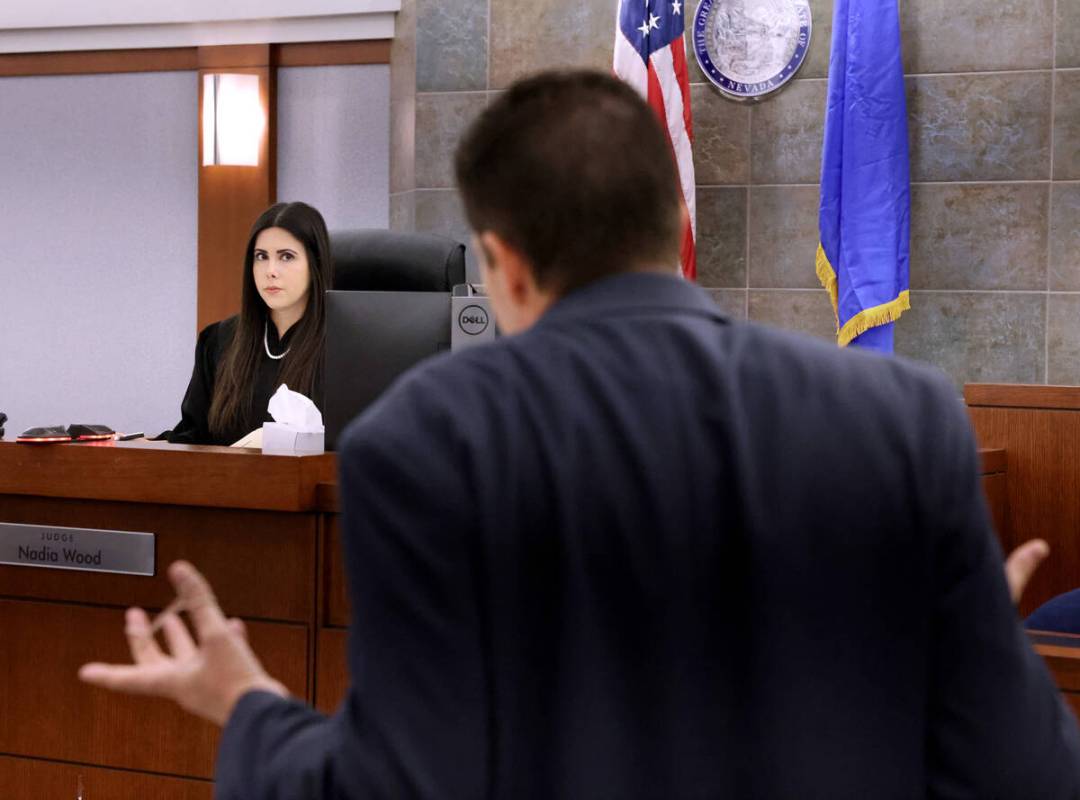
294,409
297,426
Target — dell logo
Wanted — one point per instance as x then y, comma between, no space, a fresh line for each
473,320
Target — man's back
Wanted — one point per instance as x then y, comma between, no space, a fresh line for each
695,559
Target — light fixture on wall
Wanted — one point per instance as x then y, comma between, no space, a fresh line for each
233,120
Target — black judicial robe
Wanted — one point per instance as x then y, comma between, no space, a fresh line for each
193,427
640,551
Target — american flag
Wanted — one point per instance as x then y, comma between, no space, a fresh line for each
650,55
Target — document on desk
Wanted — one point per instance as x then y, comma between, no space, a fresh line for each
253,439
77,549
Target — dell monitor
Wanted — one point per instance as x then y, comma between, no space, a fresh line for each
371,339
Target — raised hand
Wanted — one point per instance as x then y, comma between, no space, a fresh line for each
206,677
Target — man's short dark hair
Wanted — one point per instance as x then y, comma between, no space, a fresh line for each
572,169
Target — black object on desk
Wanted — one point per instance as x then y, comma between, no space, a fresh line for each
47,435
371,339
90,433
57,434
3,419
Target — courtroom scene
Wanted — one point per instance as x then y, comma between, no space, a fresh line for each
540,399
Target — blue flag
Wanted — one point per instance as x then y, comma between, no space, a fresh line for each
865,213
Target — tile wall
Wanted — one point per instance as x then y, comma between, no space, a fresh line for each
994,106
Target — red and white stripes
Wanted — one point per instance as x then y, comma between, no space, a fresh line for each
665,83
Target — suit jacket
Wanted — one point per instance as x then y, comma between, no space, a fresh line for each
641,551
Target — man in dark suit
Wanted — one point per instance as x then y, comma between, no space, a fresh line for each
636,550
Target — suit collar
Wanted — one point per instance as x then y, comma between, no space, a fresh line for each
632,291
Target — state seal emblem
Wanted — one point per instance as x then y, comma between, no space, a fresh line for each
750,48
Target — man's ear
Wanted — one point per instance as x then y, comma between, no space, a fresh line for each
515,271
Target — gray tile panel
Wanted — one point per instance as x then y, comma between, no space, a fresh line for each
783,237
1065,237
721,137
817,60
451,45
975,35
441,119
993,337
1067,125
786,133
1068,33
721,237
802,311
1063,339
527,36
979,236
991,127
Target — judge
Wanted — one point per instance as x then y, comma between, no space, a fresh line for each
277,338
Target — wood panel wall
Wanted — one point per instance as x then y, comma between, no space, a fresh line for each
1039,428
231,198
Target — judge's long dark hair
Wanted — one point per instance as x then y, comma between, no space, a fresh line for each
232,401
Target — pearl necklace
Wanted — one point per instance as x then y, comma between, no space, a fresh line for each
266,343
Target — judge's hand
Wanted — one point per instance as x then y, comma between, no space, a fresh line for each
1021,565
206,678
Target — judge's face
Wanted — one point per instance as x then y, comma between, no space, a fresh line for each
280,267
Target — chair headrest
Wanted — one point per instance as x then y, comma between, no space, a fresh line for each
389,261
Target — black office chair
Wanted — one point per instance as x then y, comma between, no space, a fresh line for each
388,261
417,271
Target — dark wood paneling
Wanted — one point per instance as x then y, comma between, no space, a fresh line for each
993,460
1072,700
155,472
48,713
234,55
337,592
170,59
332,679
89,62
1022,396
317,54
996,487
1043,487
326,498
29,779
265,564
262,564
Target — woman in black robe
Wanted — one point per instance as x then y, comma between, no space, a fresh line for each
277,338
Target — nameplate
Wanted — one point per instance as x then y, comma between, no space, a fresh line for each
78,549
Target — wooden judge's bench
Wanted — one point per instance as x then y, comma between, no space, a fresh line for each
261,528
1038,428
264,531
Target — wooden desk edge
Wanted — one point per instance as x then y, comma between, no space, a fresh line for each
1062,657
994,395
145,473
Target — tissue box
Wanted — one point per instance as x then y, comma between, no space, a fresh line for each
284,440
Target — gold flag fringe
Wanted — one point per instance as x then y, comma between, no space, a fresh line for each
867,318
